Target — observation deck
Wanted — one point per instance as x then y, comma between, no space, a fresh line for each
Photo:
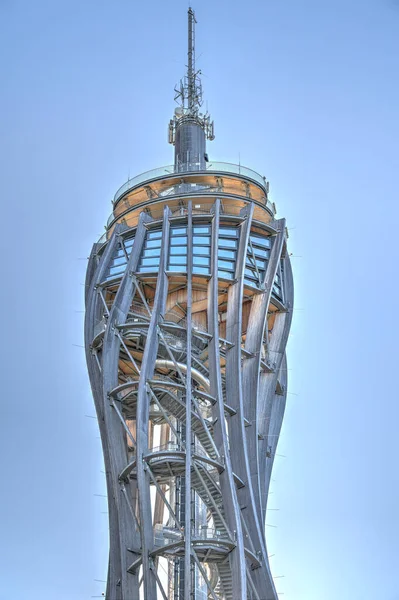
149,192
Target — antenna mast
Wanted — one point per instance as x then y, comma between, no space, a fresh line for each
190,128
191,75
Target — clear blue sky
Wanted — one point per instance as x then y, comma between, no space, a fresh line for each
307,93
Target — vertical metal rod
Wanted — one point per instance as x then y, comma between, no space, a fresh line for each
128,352
160,491
191,59
187,523
160,586
204,575
122,420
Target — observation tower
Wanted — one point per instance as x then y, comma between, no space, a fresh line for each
189,299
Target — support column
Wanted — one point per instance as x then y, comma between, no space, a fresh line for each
251,366
227,484
147,371
93,313
125,535
187,523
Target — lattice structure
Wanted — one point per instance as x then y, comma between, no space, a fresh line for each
188,308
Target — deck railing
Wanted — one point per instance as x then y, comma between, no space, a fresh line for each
219,167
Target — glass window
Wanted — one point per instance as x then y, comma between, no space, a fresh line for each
261,264
261,241
178,231
228,231
178,250
227,243
151,252
225,274
117,270
226,254
261,252
201,260
201,270
178,241
147,262
119,261
154,235
178,268
201,250
251,274
129,242
120,253
201,230
226,264
178,260
153,244
149,269
201,239
250,282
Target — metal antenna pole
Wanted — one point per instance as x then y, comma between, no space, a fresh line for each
191,60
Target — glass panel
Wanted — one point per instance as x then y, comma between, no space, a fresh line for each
119,261
201,230
179,231
228,231
178,260
249,282
251,274
145,262
227,243
201,250
225,275
261,264
153,244
201,270
145,269
178,268
129,242
262,252
261,241
151,252
227,254
120,253
201,260
116,270
226,264
178,250
201,239
154,235
178,241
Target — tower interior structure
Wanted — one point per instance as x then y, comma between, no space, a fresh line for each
189,299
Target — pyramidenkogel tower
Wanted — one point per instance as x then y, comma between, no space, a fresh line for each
189,299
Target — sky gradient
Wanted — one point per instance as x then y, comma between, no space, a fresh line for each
306,93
